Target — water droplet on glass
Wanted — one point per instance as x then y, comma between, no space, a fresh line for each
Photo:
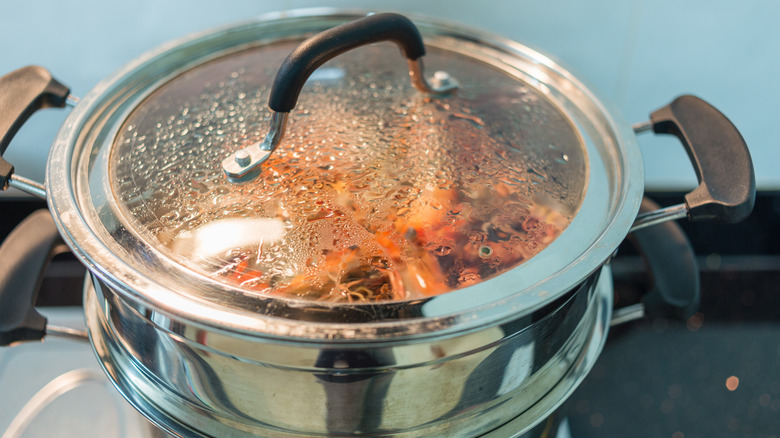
377,191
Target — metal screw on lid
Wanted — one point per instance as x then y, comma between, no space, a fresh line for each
243,158
442,79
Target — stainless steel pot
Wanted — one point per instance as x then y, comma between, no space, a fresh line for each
201,355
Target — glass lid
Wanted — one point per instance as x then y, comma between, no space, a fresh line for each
377,192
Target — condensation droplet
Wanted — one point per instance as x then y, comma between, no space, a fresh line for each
380,193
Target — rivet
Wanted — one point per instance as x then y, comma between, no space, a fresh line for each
441,75
243,158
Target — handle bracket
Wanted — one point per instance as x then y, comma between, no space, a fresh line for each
671,264
22,92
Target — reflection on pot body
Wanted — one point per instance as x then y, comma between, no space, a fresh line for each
193,380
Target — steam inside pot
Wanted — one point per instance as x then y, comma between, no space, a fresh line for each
376,193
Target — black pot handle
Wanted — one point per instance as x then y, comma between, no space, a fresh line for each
24,255
324,46
727,184
671,262
22,92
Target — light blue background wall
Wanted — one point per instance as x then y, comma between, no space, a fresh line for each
639,54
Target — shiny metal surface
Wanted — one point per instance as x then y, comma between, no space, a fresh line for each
72,101
245,168
642,127
505,379
627,314
441,82
77,182
521,427
28,186
660,216
67,333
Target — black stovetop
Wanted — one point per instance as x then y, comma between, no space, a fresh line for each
716,374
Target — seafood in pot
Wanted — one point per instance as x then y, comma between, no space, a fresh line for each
418,199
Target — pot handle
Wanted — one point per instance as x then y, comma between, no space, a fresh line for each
720,156
671,261
22,92
25,253
243,165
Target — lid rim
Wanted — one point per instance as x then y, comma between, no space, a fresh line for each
131,283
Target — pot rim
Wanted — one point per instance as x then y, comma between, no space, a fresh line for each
455,311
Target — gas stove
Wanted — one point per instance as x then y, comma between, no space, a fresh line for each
714,374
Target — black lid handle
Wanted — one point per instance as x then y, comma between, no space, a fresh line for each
244,164
22,92
326,45
727,183
24,255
